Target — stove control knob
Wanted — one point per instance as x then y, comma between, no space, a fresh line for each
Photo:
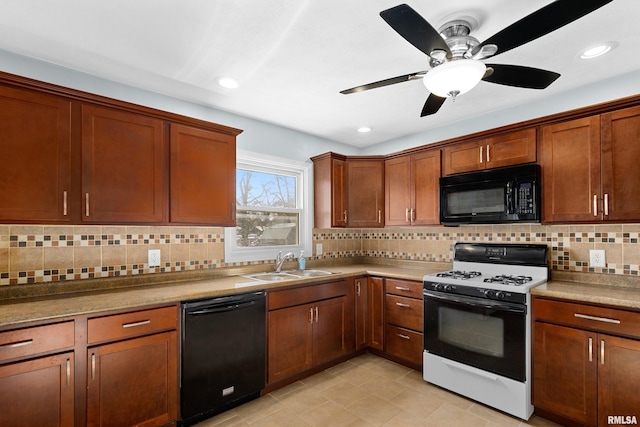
499,295
437,286
448,288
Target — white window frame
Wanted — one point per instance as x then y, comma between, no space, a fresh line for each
275,165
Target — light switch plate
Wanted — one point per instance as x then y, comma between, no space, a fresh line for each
597,258
318,248
154,258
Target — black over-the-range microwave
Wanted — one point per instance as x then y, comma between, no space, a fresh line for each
502,195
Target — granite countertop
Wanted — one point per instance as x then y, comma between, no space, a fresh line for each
17,312
626,297
149,291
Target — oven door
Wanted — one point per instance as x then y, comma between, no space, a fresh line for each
489,335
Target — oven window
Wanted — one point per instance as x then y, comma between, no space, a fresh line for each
490,200
471,331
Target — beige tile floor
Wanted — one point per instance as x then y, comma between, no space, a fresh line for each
365,391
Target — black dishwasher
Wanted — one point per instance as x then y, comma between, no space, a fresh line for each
223,354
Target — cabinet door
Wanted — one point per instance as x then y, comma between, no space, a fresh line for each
360,285
565,372
365,201
425,193
404,343
570,161
123,167
397,188
203,176
133,382
330,330
375,313
464,157
620,160
38,392
618,377
35,143
511,149
338,193
289,341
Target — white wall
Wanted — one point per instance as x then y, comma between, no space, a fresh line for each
258,136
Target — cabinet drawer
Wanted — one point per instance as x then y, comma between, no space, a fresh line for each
306,294
125,325
39,339
405,312
404,343
404,288
602,319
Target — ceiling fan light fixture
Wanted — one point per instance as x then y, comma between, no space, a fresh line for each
454,78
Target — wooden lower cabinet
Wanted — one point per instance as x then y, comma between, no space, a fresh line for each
307,327
404,318
359,285
133,382
583,373
38,392
375,313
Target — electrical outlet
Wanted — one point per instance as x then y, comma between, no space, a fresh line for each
154,258
596,258
318,249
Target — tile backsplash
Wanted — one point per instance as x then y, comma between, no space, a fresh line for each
37,253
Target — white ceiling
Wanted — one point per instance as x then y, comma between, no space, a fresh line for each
292,57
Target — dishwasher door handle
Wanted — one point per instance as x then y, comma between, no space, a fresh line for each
220,309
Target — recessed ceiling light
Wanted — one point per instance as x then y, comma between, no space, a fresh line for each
364,129
228,82
598,50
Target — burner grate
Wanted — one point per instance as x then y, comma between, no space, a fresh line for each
459,274
506,279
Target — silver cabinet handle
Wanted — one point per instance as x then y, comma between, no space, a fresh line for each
345,215
400,304
602,352
311,315
406,215
93,366
68,372
16,344
402,288
86,204
316,314
598,319
606,203
358,288
411,215
379,216
134,324
590,349
64,203
481,147
488,158
405,337
595,205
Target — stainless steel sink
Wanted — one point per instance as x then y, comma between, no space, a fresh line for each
287,275
311,273
272,276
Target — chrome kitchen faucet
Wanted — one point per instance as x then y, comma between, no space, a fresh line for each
280,259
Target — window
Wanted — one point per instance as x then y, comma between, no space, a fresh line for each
273,210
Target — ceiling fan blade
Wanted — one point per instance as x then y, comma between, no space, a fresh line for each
520,76
432,105
541,22
413,27
385,82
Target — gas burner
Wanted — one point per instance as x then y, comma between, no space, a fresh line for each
506,279
458,274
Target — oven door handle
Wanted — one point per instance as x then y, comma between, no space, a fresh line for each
476,302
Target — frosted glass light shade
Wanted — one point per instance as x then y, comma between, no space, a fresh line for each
454,78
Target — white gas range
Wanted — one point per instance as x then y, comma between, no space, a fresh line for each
477,323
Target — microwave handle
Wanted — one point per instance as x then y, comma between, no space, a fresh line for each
510,196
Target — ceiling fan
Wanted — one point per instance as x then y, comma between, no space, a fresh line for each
455,57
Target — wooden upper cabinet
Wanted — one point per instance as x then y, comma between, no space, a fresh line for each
570,161
365,192
203,178
123,167
496,151
35,141
621,165
330,190
412,189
